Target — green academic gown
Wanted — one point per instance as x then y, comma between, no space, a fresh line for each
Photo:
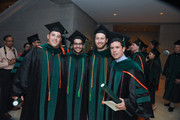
126,81
76,67
98,73
40,79
172,71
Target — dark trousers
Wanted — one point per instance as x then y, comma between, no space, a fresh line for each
5,90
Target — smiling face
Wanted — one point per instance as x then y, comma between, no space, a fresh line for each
54,38
77,46
117,50
101,41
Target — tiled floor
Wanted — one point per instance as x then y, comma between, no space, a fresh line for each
161,113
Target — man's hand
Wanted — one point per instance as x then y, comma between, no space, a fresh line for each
15,97
12,61
121,106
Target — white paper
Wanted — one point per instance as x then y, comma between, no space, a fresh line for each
111,104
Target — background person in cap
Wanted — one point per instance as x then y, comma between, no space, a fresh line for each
154,74
154,44
75,70
125,83
139,58
144,50
172,73
42,70
34,40
98,73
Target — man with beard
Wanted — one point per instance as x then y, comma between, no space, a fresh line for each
75,71
124,81
98,73
172,73
40,78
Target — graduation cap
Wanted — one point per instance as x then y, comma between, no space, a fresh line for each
56,26
77,35
139,43
115,36
126,40
144,45
33,38
177,42
155,52
155,43
102,29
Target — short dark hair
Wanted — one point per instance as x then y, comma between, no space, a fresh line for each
26,44
6,36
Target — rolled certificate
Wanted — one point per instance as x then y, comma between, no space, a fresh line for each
110,93
17,102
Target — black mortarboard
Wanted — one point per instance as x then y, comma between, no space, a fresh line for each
139,43
177,42
155,52
155,43
33,38
102,29
56,26
114,36
126,40
144,45
77,35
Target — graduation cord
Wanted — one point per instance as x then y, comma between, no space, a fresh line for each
92,77
141,63
49,93
60,72
82,75
68,75
105,71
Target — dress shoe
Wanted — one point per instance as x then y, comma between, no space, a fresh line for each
167,104
15,108
171,109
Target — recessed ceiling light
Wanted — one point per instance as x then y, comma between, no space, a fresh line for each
161,13
114,14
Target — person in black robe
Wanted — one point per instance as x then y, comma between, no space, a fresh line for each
34,41
154,44
172,73
75,72
40,78
144,50
125,82
154,73
98,73
139,58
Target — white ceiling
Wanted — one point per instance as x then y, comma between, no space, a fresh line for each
129,11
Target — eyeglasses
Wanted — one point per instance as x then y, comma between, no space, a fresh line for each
9,40
37,42
77,43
